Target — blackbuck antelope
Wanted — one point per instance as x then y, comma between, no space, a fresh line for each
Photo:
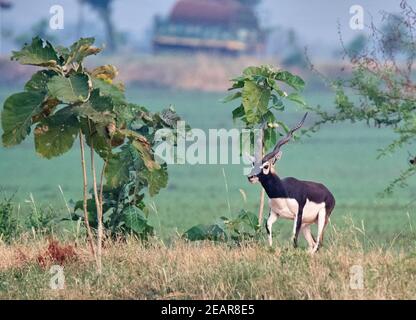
304,202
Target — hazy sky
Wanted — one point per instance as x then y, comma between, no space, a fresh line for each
314,21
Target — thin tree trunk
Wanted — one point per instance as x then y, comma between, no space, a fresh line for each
99,212
84,172
102,184
261,208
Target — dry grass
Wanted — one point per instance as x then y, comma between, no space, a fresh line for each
180,270
191,72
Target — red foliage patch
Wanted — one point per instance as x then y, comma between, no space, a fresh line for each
56,254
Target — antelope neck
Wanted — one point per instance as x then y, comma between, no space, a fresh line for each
273,186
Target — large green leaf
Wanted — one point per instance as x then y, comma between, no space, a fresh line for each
146,154
136,222
17,116
231,97
296,97
101,103
88,110
270,138
129,161
155,179
120,165
142,145
205,232
108,89
96,125
252,71
55,135
127,113
39,81
81,49
238,113
295,82
75,88
38,53
96,135
63,53
255,101
245,226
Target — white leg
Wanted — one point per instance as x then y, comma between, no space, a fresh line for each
294,227
306,230
296,230
321,226
272,219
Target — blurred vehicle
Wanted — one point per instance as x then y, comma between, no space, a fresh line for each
222,26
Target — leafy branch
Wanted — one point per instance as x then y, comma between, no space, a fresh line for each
382,86
65,100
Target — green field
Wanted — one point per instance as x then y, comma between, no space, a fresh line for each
341,156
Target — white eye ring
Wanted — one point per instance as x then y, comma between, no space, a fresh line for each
264,165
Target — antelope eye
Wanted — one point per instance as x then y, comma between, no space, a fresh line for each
266,167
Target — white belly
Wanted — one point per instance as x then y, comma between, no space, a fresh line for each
287,208
284,207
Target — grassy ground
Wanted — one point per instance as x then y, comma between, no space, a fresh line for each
378,236
180,270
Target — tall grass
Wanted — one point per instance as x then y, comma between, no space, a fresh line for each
206,270
8,222
17,218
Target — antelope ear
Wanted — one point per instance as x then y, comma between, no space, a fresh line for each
248,158
277,157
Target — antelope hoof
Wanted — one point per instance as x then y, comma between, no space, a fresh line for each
295,243
314,250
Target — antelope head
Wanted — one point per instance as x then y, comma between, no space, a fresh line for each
264,165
